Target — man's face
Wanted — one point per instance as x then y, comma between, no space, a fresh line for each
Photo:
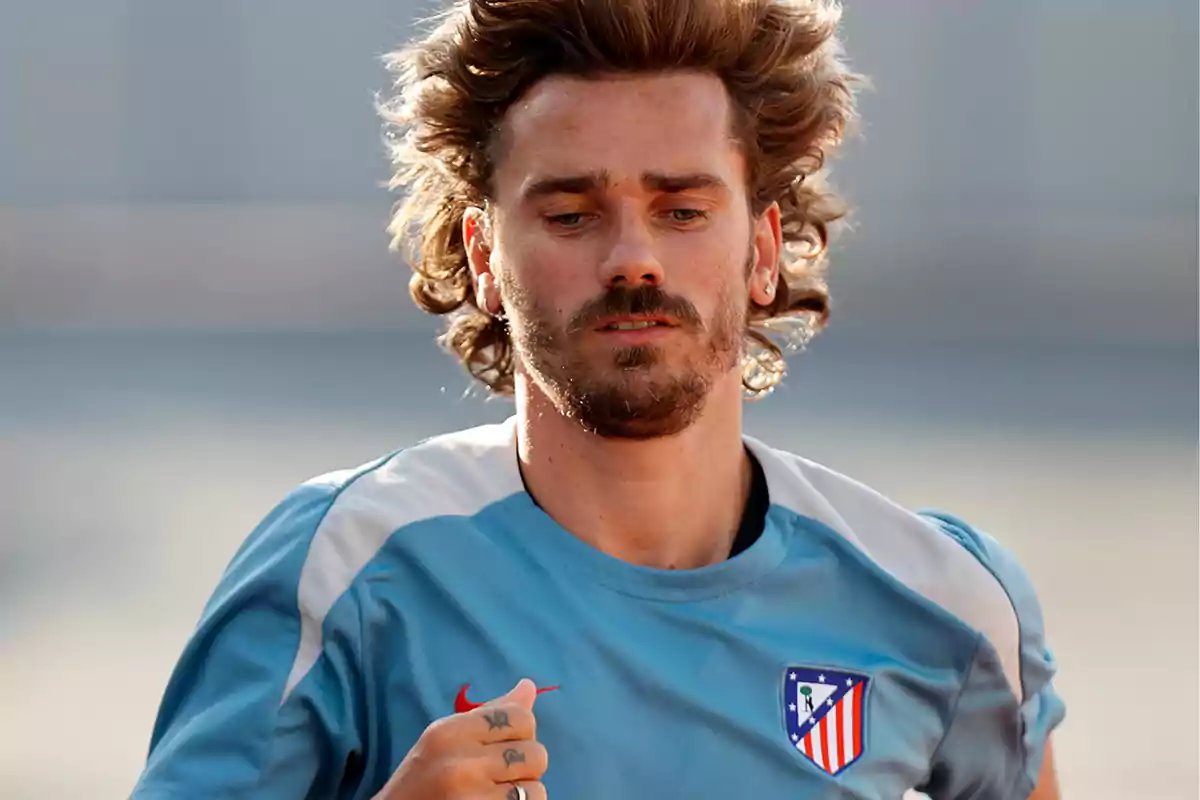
622,245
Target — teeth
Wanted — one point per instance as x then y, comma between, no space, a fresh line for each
632,326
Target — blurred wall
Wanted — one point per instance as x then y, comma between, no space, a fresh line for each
1027,168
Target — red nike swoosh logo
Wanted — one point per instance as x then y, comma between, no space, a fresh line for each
462,704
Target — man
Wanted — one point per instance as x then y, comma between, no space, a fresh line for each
614,202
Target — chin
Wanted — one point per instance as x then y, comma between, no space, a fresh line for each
640,429
638,408
638,359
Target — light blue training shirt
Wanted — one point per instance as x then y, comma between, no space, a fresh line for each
855,650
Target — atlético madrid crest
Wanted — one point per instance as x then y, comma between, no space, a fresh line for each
824,713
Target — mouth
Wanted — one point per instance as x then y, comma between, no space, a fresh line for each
634,323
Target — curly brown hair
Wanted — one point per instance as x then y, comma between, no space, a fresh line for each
781,63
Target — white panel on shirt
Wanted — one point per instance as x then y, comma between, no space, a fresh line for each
454,475
904,544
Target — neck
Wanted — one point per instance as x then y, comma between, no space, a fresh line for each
673,502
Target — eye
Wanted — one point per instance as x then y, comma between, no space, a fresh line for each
686,215
572,220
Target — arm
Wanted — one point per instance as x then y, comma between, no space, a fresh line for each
997,743
1047,783
229,724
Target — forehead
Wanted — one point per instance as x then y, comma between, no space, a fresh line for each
625,126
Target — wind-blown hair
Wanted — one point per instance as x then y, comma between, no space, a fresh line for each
780,61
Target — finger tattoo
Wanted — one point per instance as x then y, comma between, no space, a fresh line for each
513,756
497,719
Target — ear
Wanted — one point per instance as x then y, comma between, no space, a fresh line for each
477,238
768,244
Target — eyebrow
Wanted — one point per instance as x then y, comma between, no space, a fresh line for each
568,184
668,184
593,181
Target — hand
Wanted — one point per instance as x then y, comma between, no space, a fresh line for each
482,754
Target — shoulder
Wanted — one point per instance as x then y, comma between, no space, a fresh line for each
452,475
448,475
940,558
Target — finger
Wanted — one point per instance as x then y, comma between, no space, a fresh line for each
501,723
522,695
534,790
505,762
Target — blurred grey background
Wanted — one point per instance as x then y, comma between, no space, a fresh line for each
198,311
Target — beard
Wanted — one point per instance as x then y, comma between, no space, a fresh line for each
638,392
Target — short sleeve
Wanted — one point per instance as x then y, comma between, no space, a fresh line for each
228,725
996,740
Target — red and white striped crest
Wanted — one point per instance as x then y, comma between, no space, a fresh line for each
824,713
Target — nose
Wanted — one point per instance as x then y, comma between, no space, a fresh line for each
631,261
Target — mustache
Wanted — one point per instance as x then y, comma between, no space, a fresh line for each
645,299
